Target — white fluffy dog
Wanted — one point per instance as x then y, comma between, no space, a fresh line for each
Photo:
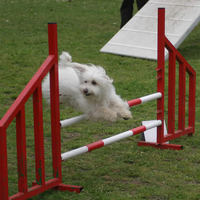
88,89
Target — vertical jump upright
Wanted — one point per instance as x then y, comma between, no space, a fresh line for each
17,111
184,67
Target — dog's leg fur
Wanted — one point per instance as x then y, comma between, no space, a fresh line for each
103,113
121,107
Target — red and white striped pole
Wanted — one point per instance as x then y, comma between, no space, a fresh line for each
144,99
110,140
73,120
134,102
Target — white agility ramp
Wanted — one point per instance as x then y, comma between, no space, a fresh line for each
138,38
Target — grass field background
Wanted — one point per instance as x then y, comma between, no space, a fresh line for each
122,171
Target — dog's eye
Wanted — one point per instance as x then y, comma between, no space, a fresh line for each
94,82
85,81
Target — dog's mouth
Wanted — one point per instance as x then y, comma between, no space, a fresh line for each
86,92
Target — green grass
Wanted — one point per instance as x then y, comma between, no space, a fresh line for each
121,171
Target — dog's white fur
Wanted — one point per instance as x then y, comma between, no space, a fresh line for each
88,89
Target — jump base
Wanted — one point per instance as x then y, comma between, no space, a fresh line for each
70,188
63,187
161,146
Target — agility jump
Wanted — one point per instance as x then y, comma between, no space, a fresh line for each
134,102
110,140
184,68
33,88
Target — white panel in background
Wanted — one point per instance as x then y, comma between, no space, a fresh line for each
151,134
138,38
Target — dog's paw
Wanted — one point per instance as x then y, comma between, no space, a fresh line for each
125,115
125,118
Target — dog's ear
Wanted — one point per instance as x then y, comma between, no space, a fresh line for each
102,70
79,67
108,78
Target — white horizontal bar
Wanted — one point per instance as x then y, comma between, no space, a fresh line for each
151,97
118,137
74,152
73,120
153,124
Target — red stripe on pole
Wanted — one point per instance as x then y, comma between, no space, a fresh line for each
134,102
138,130
95,145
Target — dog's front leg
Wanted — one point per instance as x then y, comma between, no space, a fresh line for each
104,113
121,107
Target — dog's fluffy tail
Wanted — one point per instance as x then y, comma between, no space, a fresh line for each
65,57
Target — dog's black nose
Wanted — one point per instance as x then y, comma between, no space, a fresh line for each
85,91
